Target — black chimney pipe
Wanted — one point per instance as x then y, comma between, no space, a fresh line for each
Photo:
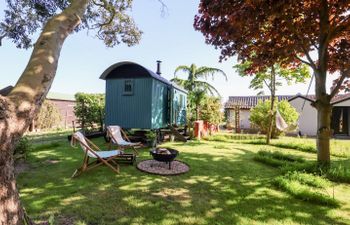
158,67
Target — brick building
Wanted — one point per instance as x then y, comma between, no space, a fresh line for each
64,102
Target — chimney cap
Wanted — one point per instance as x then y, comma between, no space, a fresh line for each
158,67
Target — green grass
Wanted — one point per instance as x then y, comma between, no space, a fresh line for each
224,186
229,137
339,171
339,148
306,190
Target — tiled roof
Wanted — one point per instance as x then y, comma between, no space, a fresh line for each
248,102
340,98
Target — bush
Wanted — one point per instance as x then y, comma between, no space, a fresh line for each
259,116
89,110
48,117
211,110
22,147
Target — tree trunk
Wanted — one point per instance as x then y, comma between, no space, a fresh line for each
271,114
19,108
324,112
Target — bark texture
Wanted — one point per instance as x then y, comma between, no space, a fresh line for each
19,108
324,113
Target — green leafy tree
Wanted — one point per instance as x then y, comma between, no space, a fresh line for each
49,116
195,73
55,20
89,110
258,116
211,110
196,99
287,32
197,89
271,78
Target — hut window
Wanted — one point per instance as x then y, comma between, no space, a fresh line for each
128,87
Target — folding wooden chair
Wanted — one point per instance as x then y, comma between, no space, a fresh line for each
107,158
116,133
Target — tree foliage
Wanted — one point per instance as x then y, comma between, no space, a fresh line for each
54,20
286,32
109,19
279,31
259,116
194,73
264,79
211,110
90,110
49,116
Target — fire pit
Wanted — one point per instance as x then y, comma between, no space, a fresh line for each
166,155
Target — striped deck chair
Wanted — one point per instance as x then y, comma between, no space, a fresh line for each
116,133
92,151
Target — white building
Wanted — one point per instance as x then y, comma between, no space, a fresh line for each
237,109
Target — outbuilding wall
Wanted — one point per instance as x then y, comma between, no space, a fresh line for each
307,116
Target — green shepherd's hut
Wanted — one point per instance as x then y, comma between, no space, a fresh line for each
137,97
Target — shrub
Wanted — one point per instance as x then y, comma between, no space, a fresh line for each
211,110
48,117
259,116
23,146
89,110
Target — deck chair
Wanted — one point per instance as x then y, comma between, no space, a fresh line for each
107,158
116,133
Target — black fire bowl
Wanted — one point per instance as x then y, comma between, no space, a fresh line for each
167,158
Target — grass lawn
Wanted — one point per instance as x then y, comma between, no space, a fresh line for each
225,185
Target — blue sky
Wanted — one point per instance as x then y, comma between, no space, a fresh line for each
170,38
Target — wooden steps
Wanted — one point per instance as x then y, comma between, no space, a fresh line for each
177,134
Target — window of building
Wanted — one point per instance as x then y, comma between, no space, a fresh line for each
128,87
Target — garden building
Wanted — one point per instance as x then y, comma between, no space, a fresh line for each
237,110
137,97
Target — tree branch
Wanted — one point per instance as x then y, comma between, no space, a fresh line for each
164,8
303,61
344,75
2,37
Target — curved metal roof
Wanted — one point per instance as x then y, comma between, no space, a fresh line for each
105,74
108,71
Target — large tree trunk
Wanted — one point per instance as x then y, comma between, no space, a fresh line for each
19,108
324,112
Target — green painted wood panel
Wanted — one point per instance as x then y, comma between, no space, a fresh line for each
129,111
178,108
159,105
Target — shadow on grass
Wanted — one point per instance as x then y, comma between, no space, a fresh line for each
222,188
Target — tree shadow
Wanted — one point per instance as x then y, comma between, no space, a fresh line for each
223,187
